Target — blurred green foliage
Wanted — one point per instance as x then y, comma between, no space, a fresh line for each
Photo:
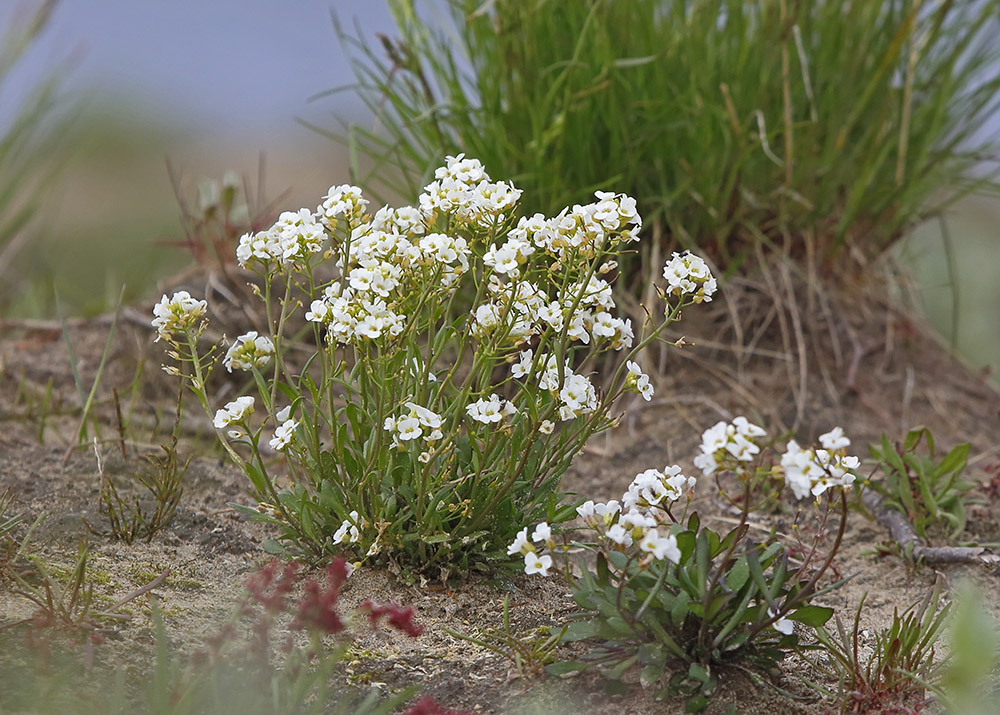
28,163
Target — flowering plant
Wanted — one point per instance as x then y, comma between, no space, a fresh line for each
426,370
658,588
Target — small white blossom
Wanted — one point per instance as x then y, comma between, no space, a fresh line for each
283,435
177,314
249,351
782,625
348,531
239,410
344,201
488,411
520,543
618,534
661,547
834,440
533,563
542,533
813,471
689,275
638,381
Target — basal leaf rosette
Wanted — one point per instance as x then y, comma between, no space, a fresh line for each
444,379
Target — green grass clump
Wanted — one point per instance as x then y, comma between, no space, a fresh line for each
28,132
806,124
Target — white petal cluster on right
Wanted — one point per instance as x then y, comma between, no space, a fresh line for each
814,471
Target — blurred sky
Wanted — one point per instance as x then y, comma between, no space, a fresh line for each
239,66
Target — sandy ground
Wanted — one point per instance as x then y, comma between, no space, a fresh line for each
876,371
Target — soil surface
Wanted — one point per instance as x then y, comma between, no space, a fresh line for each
855,363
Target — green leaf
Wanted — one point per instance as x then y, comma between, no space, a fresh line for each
696,704
757,574
580,630
685,544
565,667
603,573
693,523
738,575
699,673
616,671
913,438
814,616
955,461
891,456
650,674
273,547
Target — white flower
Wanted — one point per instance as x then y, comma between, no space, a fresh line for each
656,488
348,530
234,412
487,411
638,381
546,427
813,471
520,543
249,351
408,428
618,534
661,547
746,429
542,532
533,563
427,418
782,625
725,441
523,365
284,413
834,440
689,275
283,435
342,201
178,313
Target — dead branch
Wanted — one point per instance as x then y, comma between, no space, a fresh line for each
903,534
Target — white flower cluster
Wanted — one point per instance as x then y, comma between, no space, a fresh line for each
725,442
689,275
342,201
462,188
390,259
490,411
235,412
581,231
576,393
351,316
813,471
654,488
416,423
533,562
638,381
521,310
177,314
249,351
636,524
290,242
